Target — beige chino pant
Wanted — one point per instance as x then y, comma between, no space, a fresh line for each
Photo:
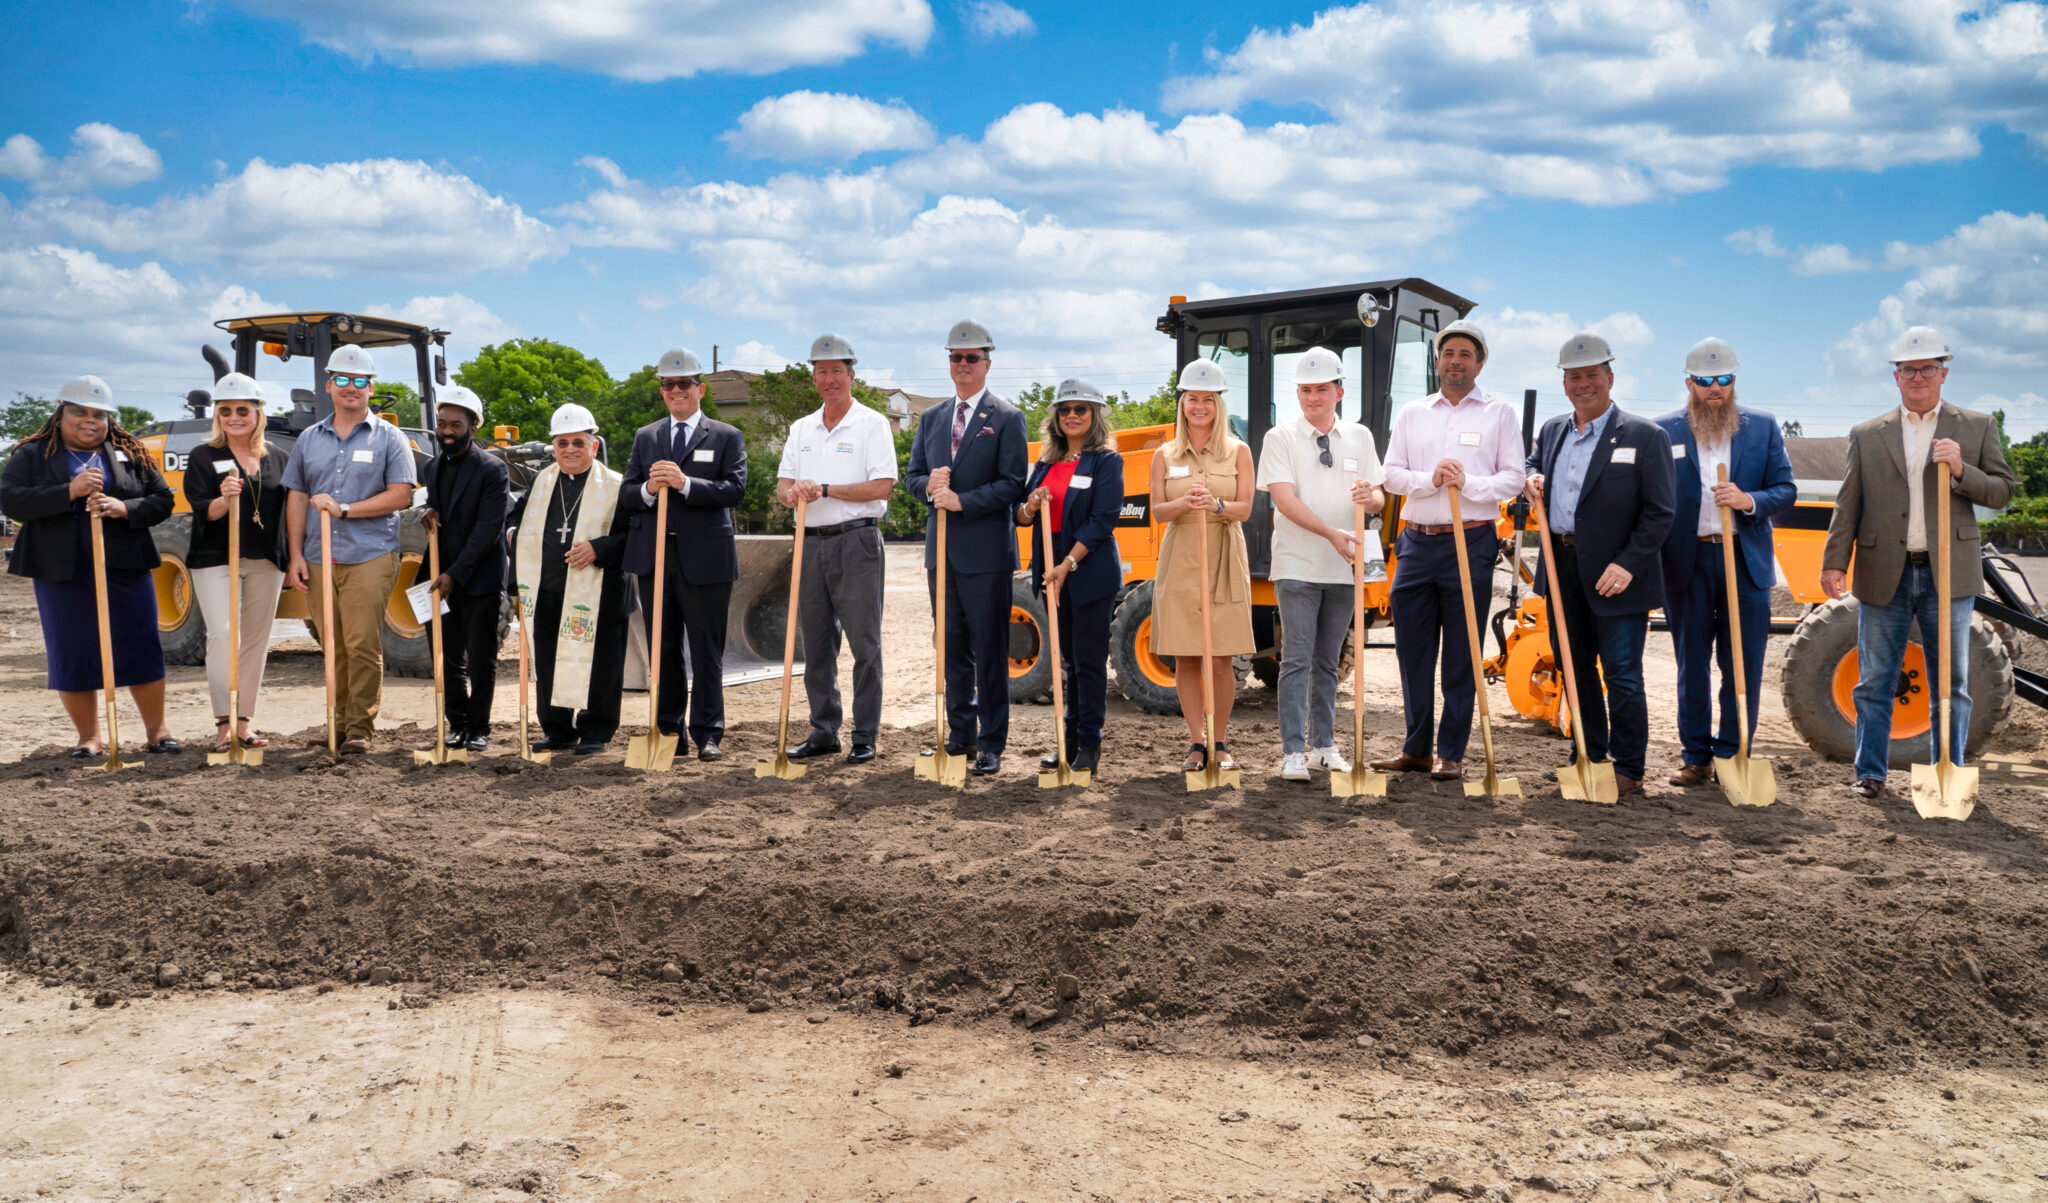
261,582
361,591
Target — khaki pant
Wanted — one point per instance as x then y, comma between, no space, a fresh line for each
261,581
361,591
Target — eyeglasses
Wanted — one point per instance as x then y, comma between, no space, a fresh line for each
1723,380
1323,441
234,411
676,384
352,381
1078,409
958,357
568,443
1927,373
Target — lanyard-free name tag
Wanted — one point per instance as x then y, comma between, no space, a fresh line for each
1624,455
364,457
223,465
703,455
1469,438
1174,472
1351,466
120,456
1081,482
1678,451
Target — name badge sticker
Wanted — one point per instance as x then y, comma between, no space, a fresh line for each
1469,438
223,465
120,456
1081,482
1678,451
703,455
1624,455
1174,472
363,457
1351,466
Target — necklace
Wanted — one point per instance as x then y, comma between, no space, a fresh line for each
568,511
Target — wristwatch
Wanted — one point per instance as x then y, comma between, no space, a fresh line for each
1219,505
824,491
344,509
1069,564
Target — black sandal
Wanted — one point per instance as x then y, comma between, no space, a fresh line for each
166,746
1223,757
255,739
222,740
1198,759
81,752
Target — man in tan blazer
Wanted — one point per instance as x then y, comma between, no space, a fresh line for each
1885,514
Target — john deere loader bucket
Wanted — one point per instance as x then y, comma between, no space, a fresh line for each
754,619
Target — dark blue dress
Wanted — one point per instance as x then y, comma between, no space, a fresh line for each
71,619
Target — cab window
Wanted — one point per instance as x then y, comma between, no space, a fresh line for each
1290,343
1231,350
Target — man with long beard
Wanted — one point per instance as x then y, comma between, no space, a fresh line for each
1700,601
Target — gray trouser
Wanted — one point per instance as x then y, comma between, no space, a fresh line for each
1313,622
842,594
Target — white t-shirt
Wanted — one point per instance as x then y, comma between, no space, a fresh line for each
1291,455
859,450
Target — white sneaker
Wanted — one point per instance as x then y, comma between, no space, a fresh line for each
1294,767
1328,758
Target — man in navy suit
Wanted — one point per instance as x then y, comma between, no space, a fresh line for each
969,458
1605,479
705,462
1709,432
468,492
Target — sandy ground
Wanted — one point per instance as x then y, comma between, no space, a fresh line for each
376,981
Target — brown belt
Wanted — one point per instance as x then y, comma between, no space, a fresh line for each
1710,538
1426,529
1917,557
1568,540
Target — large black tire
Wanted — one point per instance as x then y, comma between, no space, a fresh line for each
408,649
1030,651
1814,684
1144,678
180,625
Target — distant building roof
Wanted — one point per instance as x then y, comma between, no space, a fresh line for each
730,386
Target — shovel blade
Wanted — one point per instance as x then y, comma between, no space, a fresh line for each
242,754
115,764
937,764
1944,791
1358,783
1065,775
441,755
214,758
1584,782
653,752
537,757
782,766
1214,778
1746,780
1493,786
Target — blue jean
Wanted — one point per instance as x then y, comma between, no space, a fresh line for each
1313,622
1881,637
1699,639
1609,647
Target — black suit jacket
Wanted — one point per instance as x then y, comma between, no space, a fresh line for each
35,491
471,495
1624,510
209,546
701,523
1087,517
988,475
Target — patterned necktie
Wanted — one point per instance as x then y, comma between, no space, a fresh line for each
960,413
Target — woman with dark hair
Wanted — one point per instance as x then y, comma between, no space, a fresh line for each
79,466
1078,486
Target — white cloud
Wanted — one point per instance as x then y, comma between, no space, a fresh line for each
469,322
755,356
1985,287
1757,240
632,39
1524,346
1832,259
101,157
825,125
990,19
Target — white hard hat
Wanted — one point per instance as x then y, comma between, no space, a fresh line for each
679,362
1468,330
87,392
236,387
1202,376
1711,357
1921,342
1319,365
350,360
461,398
572,419
831,346
969,336
1078,390
1584,350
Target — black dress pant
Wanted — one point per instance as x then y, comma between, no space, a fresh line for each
696,613
1084,668
469,659
977,657
599,719
1429,630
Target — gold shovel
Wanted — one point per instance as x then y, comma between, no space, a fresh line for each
1492,785
782,766
654,751
1065,774
237,753
526,751
1363,778
99,580
1946,790
1209,776
328,635
440,753
936,763
1581,780
1746,782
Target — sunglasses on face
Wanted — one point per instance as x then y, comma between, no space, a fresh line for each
352,381
1710,381
957,357
678,384
1927,373
1077,410
234,411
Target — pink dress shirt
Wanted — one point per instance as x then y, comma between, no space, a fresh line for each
1479,432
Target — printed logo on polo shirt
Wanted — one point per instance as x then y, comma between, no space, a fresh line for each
843,446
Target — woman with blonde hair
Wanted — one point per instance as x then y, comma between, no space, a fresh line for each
236,472
1203,475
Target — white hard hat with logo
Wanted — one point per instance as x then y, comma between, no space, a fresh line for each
571,419
1921,342
831,346
969,336
679,362
1202,376
462,398
1072,389
1711,357
1319,365
1463,329
87,392
350,360
237,387
1584,350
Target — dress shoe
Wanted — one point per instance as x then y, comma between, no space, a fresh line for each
1867,788
1087,756
1050,761
589,747
814,744
1692,774
861,754
554,743
986,764
477,741
710,751
1441,769
1624,786
355,745
1402,764
958,749
457,738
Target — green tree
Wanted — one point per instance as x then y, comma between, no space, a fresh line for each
634,402
401,401
1159,409
23,416
2029,461
1793,430
905,519
524,381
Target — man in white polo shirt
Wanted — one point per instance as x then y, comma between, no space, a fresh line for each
1316,468
841,460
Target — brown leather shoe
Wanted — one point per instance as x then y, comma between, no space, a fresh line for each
1624,786
1867,788
1692,774
1402,764
1446,770
355,745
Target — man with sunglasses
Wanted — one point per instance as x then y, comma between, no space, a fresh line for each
1316,468
704,462
969,458
359,471
1700,602
1885,514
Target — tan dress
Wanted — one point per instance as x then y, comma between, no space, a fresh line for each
1176,592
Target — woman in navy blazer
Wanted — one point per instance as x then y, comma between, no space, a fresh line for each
1078,485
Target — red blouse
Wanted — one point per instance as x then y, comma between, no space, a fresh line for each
1056,479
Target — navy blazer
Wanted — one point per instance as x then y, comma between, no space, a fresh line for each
988,475
1624,509
701,523
1757,465
35,490
1101,572
471,495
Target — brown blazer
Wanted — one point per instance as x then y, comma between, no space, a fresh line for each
1870,511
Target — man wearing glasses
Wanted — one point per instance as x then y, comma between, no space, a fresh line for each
1710,433
969,458
704,462
1316,468
358,471
1885,514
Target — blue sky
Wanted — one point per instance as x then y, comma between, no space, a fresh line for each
1803,180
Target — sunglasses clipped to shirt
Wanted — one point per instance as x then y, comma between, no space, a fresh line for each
1710,381
346,381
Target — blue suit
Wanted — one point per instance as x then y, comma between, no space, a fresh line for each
1696,584
1088,598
